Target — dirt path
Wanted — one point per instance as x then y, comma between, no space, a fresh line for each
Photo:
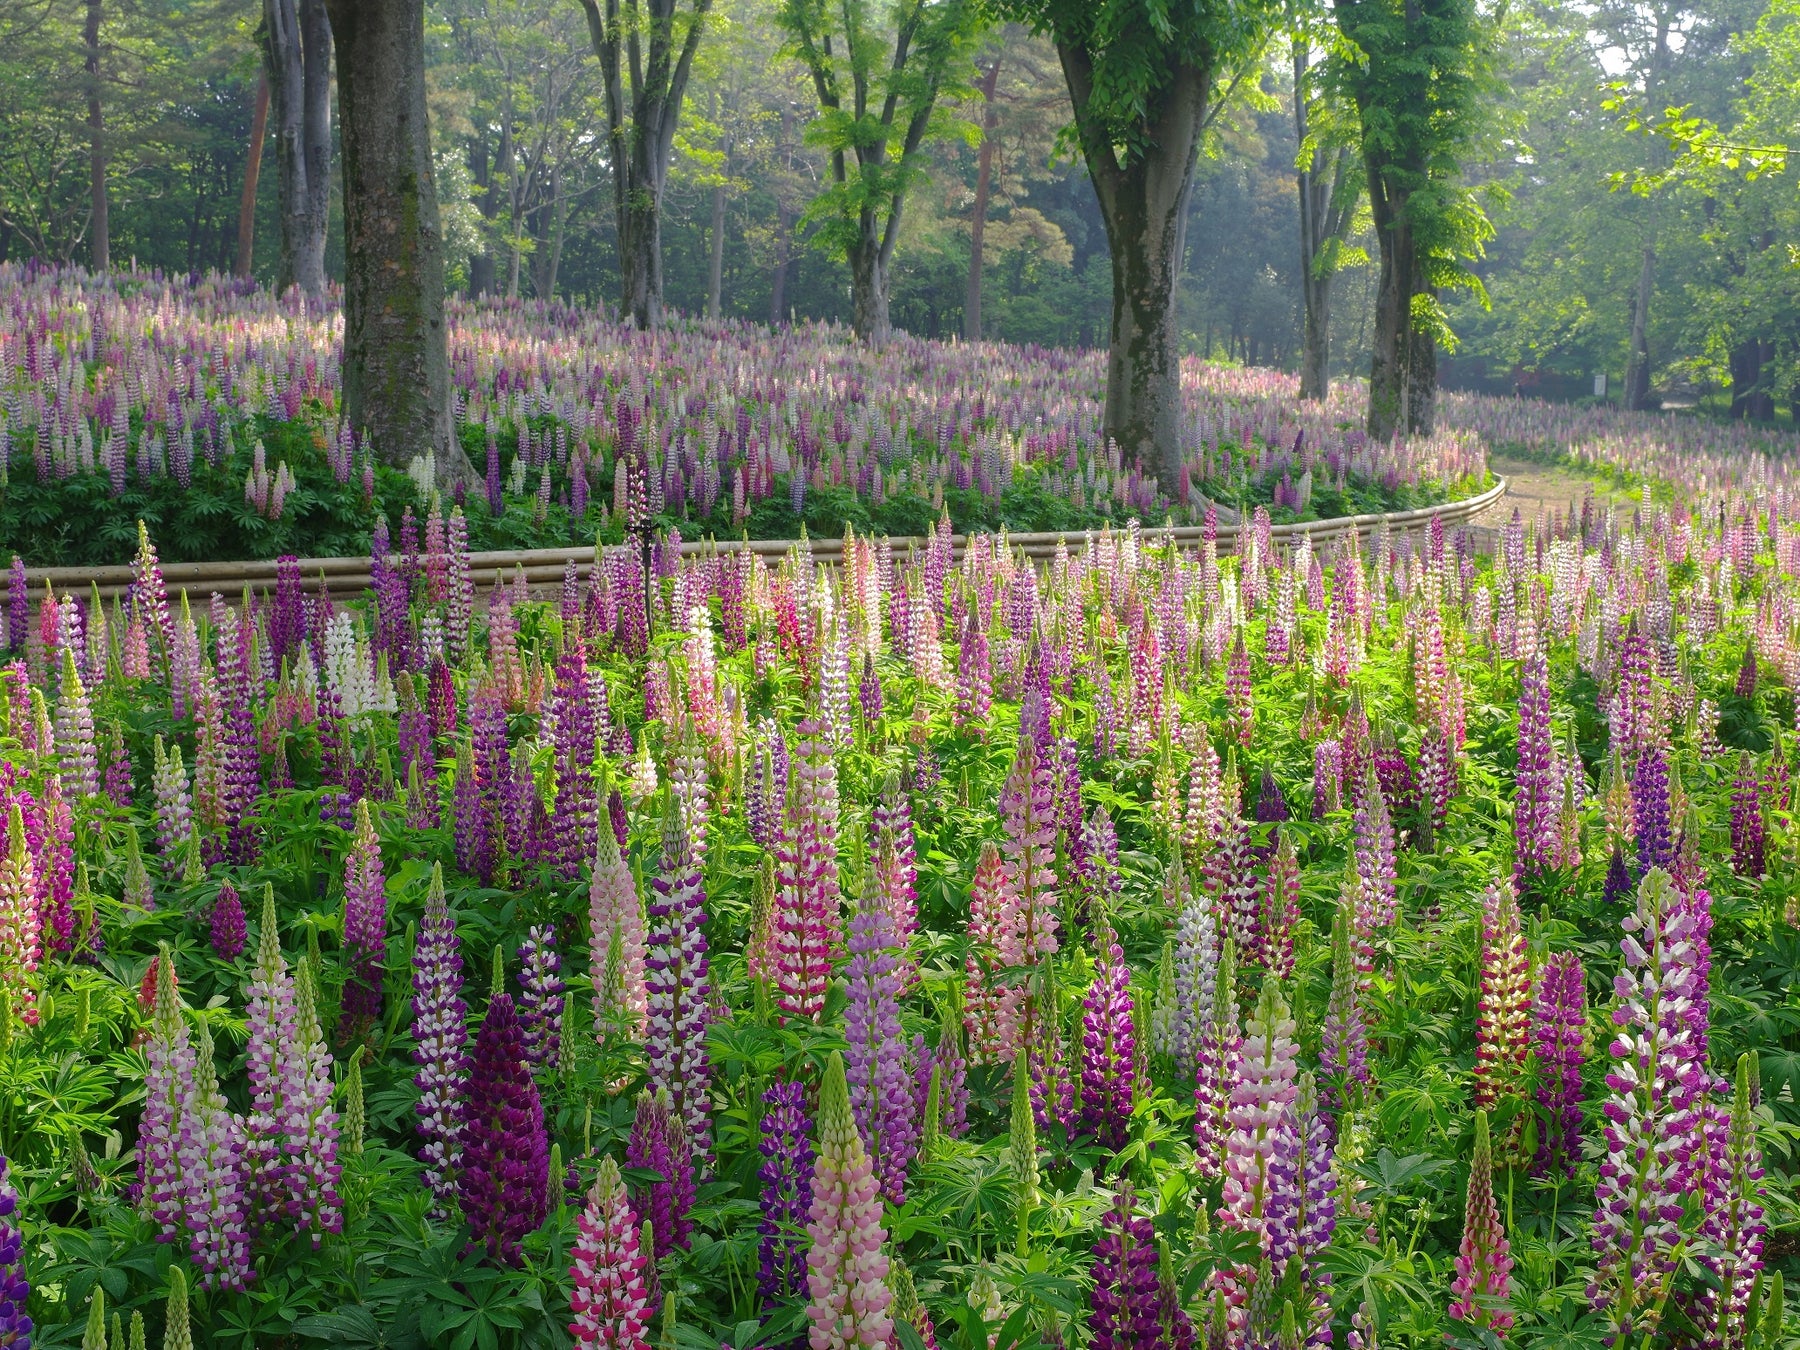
1536,491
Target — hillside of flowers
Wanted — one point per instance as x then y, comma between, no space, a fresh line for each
210,410
1147,948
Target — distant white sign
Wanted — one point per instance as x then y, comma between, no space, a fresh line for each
1599,384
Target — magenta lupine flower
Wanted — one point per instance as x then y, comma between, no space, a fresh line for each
1238,693
1262,1097
1735,1222
1127,1309
506,1159
1280,908
211,1157
806,907
1650,809
440,1041
1216,1056
1537,796
881,1095
1558,1027
991,1008
15,1290
1027,808
1374,851
616,939
1343,1035
786,1175
365,928
1503,1017
659,1143
1483,1280
974,676
228,933
540,996
168,1087
1746,820
1651,1116
1231,876
678,989
846,1268
610,1302
1108,1047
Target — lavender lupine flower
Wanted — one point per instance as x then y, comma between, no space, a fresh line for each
228,933
168,1087
1196,969
659,1143
1108,1047
540,996
1746,819
311,1143
610,1301
365,928
1483,1280
15,1326
211,1157
616,939
1261,1099
1216,1057
1052,1091
77,756
1735,1223
1537,795
1650,1115
846,1269
503,1188
1343,1036
881,1096
1558,1028
174,805
1650,808
440,1045
679,988
786,1175
1374,852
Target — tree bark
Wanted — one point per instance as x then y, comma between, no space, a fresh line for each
396,363
246,231
1143,203
299,58
1326,208
984,174
1637,369
784,227
99,225
1403,358
868,286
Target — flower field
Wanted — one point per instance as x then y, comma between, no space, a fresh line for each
210,410
1154,949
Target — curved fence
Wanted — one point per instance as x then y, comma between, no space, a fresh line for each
545,566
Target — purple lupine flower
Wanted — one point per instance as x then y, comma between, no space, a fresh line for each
1735,1222
287,614
117,780
881,1095
659,1143
1314,1204
1558,1028
1328,778
540,997
1374,852
1537,795
440,1048
1437,775
1271,804
1280,904
311,1127
1127,1304
1650,808
679,988
1096,866
1108,1047
472,835
868,691
1262,1099
786,1175
577,808
238,690
1343,1036
1745,685
504,1185
953,1073
491,759
365,928
275,1086
168,1086
1632,712
440,701
212,1178
1747,820
1052,1091
1216,1055
15,1326
1618,880
1651,1120
228,933
18,607
174,804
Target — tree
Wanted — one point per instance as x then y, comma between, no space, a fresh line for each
984,180
99,236
642,133
1329,186
1141,78
1413,77
878,74
396,361
246,235
298,40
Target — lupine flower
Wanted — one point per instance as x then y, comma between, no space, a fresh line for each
1538,786
1108,1047
610,1302
659,1143
365,928
211,1158
137,890
1650,1114
1021,1146
1504,1014
1216,1057
881,1095
1735,1222
1618,879
1238,693
786,1175
1343,1036
77,756
168,1086
15,1326
806,911
1280,908
1052,1091
440,1040
506,1159
896,860
20,935
1650,809
540,996
906,1305
1314,1204
1231,876
228,933
846,1268
178,1328
1196,969
1558,1027
1262,1097
1027,808
991,1009
1375,851
678,989
953,1070
1632,713
616,939
1746,820
312,1124
1483,1280
1127,1302
574,734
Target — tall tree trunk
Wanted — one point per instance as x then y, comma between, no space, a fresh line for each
1396,406
246,230
1637,369
984,175
868,286
99,226
715,276
784,227
1143,202
396,363
1326,209
481,265
299,58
